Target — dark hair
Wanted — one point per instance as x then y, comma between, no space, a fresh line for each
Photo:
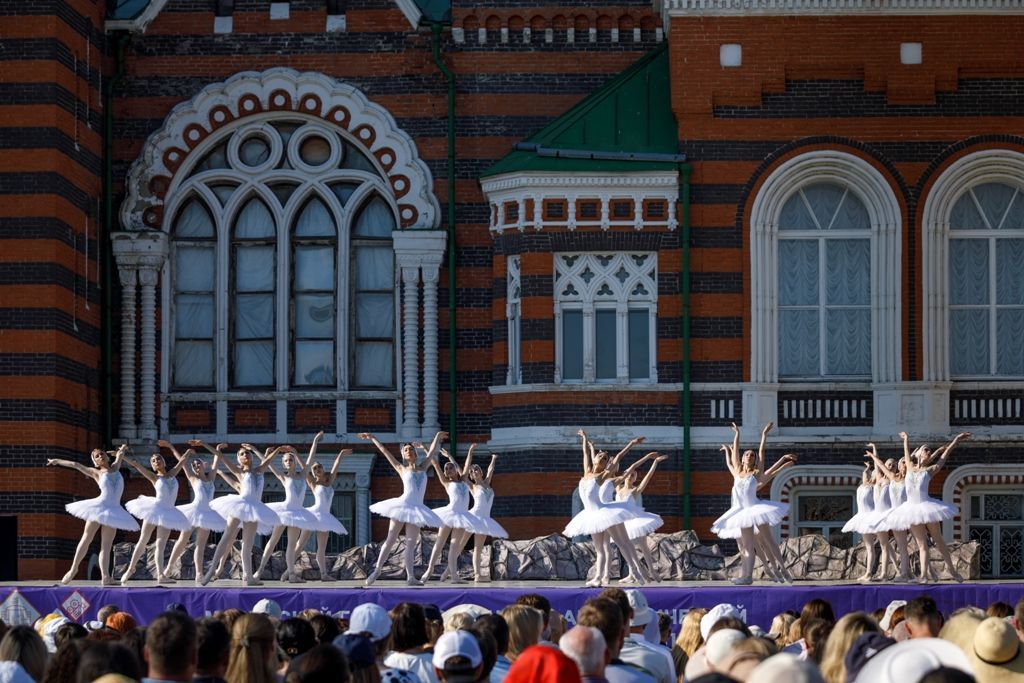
63,666
295,636
325,628
103,612
67,632
817,609
104,635
408,626
922,608
999,609
815,635
496,625
878,614
619,597
213,644
536,601
171,643
606,616
488,648
898,615
1018,614
729,623
947,674
321,664
102,658
23,645
135,640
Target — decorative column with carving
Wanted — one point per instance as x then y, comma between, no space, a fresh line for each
410,334
126,274
149,275
430,422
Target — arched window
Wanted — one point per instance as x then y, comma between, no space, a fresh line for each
283,264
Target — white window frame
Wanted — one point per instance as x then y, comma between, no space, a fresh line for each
257,184
969,521
622,302
796,523
885,215
513,314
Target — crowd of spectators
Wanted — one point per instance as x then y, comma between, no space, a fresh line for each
616,638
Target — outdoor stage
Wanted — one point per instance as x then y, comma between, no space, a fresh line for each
19,602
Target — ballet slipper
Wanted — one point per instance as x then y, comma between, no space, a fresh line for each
458,580
252,581
108,581
126,577
742,581
957,577
372,577
480,578
413,581
295,578
68,578
164,579
426,576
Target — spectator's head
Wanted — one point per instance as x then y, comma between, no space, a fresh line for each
295,637
664,628
67,632
488,649
170,650
817,609
105,612
495,625
840,641
135,640
796,631
779,632
731,623
606,617
744,657
1018,618
435,622
815,635
785,667
867,646
556,627
213,645
525,625
893,614
457,658
715,614
539,603
585,645
47,628
269,607
899,632
543,664
996,653
689,638
458,621
641,611
325,628
63,667
719,647
947,674
122,622
999,609
924,620
229,617
358,650
102,658
23,645
253,650
321,664
619,597
408,627
912,660
371,620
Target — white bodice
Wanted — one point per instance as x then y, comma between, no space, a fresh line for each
865,498
322,497
917,485
483,499
202,491
414,485
882,499
897,493
458,496
625,494
166,489
111,487
744,490
589,494
294,492
250,486
607,491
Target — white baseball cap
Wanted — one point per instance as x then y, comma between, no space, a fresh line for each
720,644
457,644
268,607
370,618
715,614
642,613
912,659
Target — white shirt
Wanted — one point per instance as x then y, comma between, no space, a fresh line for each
654,658
421,665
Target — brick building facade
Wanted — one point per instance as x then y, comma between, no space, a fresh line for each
238,221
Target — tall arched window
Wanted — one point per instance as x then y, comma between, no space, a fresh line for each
283,264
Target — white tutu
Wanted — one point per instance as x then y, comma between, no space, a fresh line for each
644,523
589,522
106,508
158,513
492,528
919,508
409,507
483,500
456,514
863,520
323,520
297,517
199,513
748,511
880,521
246,510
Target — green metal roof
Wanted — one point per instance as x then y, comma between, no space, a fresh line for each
439,11
630,114
127,9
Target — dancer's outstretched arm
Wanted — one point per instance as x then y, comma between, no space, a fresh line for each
173,472
337,461
787,460
90,472
735,453
490,469
635,466
865,476
312,448
733,470
119,455
618,456
935,465
230,479
650,473
268,458
586,452
385,452
435,443
760,449
217,457
438,470
163,443
148,474
469,461
879,465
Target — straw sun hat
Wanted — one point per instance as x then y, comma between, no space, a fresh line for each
991,645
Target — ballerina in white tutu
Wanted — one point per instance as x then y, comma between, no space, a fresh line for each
102,514
407,511
483,500
603,521
157,513
750,516
924,515
861,522
638,516
459,523
291,511
244,511
322,483
201,516
895,472
645,523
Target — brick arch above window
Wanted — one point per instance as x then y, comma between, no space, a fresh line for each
982,475
822,477
248,95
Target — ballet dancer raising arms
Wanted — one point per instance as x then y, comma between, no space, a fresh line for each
292,514
201,516
483,499
922,514
407,511
102,514
895,472
458,521
646,523
157,513
863,519
245,511
322,483
617,534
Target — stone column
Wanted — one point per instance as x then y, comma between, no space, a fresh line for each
430,422
410,334
148,277
362,513
126,274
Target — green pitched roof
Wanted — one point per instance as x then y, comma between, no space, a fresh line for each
631,114
126,9
435,10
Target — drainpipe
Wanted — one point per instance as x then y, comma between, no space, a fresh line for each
684,291
106,267
436,29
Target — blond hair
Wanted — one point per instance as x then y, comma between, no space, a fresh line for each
252,646
525,625
780,628
839,642
689,639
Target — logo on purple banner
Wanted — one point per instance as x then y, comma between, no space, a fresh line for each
75,605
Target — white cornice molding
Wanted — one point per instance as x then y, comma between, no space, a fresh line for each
218,108
686,8
140,23
660,180
411,11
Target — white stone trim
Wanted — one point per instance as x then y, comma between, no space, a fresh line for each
140,23
411,11
810,477
685,8
986,476
994,165
884,210
168,151
513,317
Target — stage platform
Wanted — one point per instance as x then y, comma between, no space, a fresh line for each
19,602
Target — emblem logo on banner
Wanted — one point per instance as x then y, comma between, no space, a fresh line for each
16,610
75,606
